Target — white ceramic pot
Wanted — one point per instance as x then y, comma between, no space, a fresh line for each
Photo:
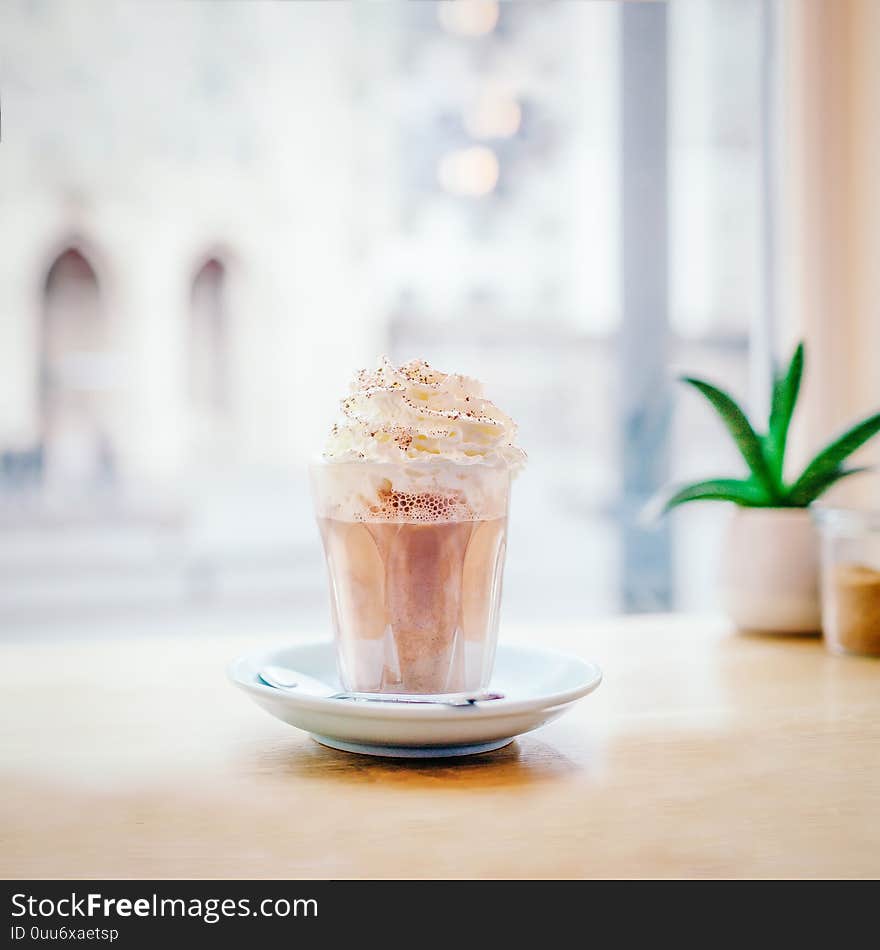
770,571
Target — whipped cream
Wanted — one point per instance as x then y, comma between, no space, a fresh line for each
415,412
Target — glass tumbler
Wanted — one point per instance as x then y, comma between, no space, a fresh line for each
415,555
850,579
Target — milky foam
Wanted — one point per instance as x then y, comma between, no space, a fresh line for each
413,492
416,413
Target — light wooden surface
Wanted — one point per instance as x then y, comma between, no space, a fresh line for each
704,753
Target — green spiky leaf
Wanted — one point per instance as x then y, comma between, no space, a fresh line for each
744,435
785,395
743,492
765,454
801,498
814,478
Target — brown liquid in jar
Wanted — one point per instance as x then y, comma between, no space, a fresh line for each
854,609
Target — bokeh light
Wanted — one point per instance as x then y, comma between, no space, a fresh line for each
469,172
468,17
494,115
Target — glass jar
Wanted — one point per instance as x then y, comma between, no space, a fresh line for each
850,579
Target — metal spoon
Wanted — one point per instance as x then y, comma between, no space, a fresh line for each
293,681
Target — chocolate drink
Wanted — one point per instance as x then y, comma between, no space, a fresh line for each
411,497
415,606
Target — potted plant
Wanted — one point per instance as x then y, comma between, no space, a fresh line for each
770,566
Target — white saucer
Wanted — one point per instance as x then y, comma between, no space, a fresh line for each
539,686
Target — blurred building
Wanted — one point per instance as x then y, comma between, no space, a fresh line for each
213,212
181,200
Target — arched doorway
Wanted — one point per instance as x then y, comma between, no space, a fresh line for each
209,358
74,378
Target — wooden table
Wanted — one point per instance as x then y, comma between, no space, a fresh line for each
704,753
